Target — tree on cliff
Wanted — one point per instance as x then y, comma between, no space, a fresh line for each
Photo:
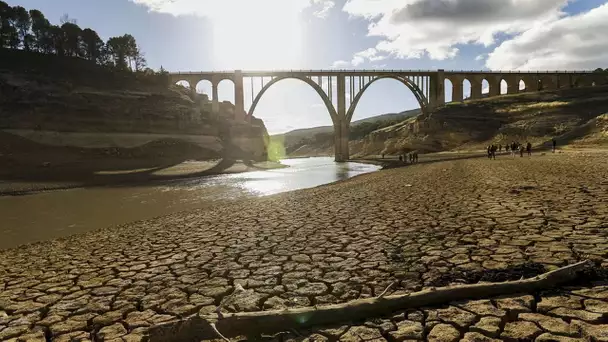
92,46
23,23
9,36
125,53
72,34
31,31
41,32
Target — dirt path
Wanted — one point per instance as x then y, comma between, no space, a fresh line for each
331,244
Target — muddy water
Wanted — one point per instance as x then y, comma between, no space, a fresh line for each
47,215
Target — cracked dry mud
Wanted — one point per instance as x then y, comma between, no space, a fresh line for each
333,244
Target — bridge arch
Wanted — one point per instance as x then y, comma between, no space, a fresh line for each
521,85
184,83
450,90
326,100
422,100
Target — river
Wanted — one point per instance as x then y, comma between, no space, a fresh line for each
53,214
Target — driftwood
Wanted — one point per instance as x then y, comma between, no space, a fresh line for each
198,328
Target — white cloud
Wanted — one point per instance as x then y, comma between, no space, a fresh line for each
222,8
359,58
340,64
414,28
481,57
576,42
324,7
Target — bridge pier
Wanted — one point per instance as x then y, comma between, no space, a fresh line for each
341,124
215,101
457,93
437,90
475,88
239,95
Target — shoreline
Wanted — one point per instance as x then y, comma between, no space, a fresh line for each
135,177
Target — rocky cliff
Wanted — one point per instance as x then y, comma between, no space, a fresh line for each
70,102
574,116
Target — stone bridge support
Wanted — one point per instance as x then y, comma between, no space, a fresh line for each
437,90
239,94
476,83
512,84
215,102
341,123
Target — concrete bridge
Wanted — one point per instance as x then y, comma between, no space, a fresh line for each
341,90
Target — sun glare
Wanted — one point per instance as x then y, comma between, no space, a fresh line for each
257,36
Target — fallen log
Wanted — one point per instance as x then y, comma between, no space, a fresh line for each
199,328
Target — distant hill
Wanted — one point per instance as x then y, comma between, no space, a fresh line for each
296,139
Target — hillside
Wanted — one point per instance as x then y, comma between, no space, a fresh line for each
60,111
573,116
319,140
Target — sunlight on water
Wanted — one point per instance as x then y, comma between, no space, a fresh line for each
302,173
48,215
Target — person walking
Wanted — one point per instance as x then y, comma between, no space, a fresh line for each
554,142
493,151
529,149
521,151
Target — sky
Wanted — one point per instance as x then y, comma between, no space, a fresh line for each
197,35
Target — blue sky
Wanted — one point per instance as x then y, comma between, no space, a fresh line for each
192,35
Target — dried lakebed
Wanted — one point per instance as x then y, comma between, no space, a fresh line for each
418,226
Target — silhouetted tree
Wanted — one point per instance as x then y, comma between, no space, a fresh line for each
72,39
117,48
30,30
57,36
9,36
92,45
23,23
65,19
41,32
140,60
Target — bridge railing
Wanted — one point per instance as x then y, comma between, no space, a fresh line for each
338,71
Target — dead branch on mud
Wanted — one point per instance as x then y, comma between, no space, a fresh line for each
268,322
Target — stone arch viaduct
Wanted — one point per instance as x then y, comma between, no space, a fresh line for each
341,90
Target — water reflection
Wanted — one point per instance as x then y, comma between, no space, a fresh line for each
54,214
301,173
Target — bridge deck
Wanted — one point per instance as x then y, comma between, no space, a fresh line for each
279,73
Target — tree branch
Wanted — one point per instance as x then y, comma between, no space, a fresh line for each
267,322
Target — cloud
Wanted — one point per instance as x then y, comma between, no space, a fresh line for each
481,57
570,43
415,28
323,7
359,58
222,8
340,64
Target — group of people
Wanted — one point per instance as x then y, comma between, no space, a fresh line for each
412,157
514,147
